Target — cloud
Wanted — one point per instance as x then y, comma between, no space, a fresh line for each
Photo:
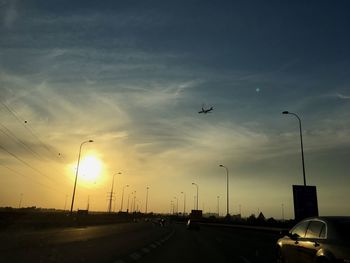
11,14
343,97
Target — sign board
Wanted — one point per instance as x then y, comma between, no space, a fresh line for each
305,201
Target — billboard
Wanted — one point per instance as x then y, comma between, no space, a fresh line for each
305,201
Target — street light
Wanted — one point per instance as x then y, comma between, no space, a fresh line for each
301,142
134,202
177,205
146,198
197,194
121,206
227,202
172,206
76,175
184,203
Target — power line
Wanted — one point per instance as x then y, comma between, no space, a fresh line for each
27,127
12,136
31,179
24,162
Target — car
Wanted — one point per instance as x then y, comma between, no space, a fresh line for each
192,224
316,239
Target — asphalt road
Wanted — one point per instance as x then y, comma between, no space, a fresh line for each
105,243
216,244
138,242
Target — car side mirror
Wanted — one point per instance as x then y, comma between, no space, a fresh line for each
293,236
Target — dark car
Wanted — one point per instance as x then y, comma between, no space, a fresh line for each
316,239
192,224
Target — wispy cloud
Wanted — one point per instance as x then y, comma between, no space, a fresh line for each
11,13
343,97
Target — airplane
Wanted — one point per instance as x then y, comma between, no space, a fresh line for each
205,111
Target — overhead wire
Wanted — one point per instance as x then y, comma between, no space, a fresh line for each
12,136
8,133
27,127
21,121
31,179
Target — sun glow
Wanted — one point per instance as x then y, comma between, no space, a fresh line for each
90,168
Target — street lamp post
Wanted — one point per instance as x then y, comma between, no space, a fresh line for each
172,207
184,202
127,209
227,202
121,206
76,175
146,199
197,194
301,143
134,209
177,205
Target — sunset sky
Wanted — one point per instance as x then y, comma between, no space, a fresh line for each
132,76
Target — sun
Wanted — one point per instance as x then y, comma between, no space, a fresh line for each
90,168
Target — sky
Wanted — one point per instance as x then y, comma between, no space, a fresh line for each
132,76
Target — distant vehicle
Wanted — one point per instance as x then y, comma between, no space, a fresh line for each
192,224
158,221
205,111
317,240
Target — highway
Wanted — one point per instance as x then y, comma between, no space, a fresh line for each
141,242
216,244
90,244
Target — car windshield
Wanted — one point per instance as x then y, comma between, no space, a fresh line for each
120,120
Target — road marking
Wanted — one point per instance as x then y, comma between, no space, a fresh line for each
158,243
153,246
145,250
135,256
244,259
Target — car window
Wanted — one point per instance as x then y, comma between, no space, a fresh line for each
323,232
300,229
314,230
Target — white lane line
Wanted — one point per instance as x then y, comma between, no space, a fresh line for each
153,246
244,259
158,243
145,250
135,256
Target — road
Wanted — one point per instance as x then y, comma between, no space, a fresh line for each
138,242
90,244
216,244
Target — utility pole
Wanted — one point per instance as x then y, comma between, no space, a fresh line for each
88,203
65,203
127,209
146,199
218,199
111,195
20,200
134,202
184,203
121,205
